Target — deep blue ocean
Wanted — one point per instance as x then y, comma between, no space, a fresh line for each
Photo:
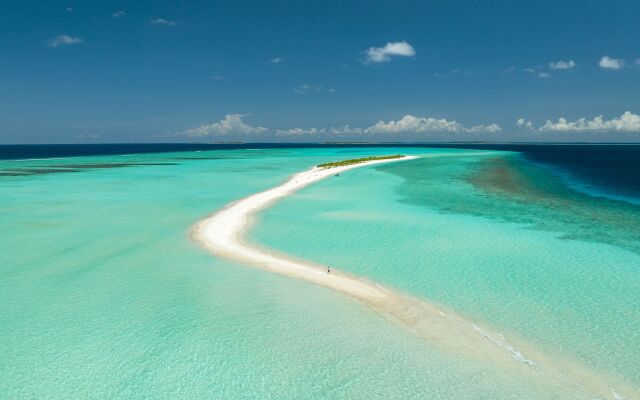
611,170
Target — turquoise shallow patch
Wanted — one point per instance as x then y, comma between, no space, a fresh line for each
548,273
105,296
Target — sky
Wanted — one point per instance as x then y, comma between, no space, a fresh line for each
308,71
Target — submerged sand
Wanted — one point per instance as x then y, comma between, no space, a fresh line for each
223,234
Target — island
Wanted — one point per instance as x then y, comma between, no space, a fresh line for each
358,161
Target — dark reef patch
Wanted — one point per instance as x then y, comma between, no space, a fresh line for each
108,165
510,188
36,171
64,168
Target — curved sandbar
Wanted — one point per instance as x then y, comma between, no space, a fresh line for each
223,234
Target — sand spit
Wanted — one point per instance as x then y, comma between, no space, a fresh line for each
223,232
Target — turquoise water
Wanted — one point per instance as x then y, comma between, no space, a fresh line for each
105,296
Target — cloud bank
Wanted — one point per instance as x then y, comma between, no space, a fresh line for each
405,125
233,125
391,49
409,126
627,122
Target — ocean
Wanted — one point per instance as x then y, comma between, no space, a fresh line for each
105,296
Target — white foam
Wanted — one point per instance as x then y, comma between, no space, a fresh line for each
502,343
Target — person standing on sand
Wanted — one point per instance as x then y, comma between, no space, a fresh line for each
328,270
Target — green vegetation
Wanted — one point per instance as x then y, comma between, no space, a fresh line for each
357,161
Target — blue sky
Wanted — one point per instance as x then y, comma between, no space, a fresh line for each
149,71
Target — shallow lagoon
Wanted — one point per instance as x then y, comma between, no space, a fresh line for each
105,296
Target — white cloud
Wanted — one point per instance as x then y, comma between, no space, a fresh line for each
118,14
411,124
522,123
627,122
69,9
382,54
230,125
63,40
491,128
538,73
562,64
307,88
162,21
298,131
406,124
276,60
216,77
341,130
607,62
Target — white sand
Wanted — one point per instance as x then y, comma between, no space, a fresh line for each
223,234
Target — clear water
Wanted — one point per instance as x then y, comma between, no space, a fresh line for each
104,296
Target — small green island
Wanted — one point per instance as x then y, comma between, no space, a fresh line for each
357,161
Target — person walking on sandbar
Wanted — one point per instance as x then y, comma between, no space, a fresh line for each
328,270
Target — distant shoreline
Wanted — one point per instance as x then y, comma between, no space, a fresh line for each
37,151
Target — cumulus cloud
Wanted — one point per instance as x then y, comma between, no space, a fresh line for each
607,62
118,14
232,124
562,64
409,123
491,128
627,122
391,49
63,40
162,21
406,124
276,60
341,130
522,123
412,124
